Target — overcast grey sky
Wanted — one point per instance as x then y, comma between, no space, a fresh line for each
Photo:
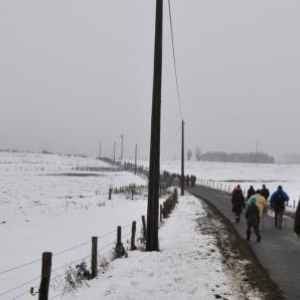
74,73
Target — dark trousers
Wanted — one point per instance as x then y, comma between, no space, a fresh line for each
278,217
255,228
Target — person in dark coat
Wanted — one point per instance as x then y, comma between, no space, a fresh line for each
297,220
193,180
252,216
265,192
278,201
238,202
250,192
187,180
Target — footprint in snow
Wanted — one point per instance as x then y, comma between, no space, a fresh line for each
134,283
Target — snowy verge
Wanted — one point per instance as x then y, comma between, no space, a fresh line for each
181,270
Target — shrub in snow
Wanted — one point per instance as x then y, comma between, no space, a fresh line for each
76,277
103,264
101,203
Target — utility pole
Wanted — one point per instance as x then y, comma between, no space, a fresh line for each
182,160
256,152
122,141
114,153
154,165
100,146
135,159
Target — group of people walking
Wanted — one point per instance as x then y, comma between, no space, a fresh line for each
255,204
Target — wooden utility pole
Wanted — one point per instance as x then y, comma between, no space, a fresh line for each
114,153
100,146
256,152
135,159
154,165
122,144
182,161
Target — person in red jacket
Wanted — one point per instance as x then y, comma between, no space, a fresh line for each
238,202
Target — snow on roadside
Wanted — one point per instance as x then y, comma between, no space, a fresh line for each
181,270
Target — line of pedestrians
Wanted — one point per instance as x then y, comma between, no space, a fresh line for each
256,205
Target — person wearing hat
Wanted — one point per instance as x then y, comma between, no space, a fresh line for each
252,216
261,203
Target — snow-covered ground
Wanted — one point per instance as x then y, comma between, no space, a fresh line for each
57,203
230,174
46,204
187,267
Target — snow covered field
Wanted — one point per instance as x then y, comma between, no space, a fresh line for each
57,203
48,205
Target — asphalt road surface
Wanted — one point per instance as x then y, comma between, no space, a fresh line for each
279,249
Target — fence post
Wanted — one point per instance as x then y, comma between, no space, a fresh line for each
133,231
160,213
144,227
46,274
109,193
94,257
119,241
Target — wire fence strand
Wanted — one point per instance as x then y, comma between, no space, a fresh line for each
19,286
19,267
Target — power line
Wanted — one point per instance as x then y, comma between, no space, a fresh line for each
174,59
173,136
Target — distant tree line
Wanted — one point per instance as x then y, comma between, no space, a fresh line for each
220,156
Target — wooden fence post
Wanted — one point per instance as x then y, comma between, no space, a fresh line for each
133,231
119,242
94,257
109,193
144,227
45,277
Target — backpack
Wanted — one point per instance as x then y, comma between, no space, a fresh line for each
279,202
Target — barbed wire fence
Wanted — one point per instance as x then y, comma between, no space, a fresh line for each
58,284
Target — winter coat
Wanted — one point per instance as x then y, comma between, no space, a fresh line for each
278,199
261,202
265,192
252,215
297,220
237,200
250,192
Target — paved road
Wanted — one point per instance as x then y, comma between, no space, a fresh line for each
279,249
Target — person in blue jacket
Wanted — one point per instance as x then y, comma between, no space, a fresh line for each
278,201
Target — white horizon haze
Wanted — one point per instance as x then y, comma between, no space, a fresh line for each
74,74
